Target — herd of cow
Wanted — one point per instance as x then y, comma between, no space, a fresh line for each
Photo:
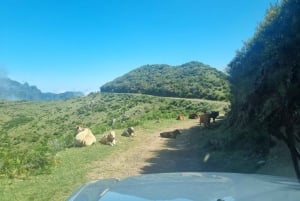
205,117
85,137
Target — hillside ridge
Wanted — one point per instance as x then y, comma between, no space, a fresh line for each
190,80
14,90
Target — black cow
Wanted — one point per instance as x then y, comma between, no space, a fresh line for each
194,116
214,115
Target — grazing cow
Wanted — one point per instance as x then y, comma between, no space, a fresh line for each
109,139
170,134
205,119
129,132
214,115
180,117
193,116
84,136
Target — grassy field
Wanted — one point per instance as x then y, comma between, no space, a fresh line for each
38,160
70,172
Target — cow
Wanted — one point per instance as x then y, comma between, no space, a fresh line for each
170,134
214,115
84,136
180,117
205,119
193,116
129,132
109,139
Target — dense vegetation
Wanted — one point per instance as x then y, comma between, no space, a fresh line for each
32,133
265,80
190,80
13,90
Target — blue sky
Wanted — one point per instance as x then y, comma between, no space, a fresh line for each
69,45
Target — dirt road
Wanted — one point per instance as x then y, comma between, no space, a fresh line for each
152,154
149,153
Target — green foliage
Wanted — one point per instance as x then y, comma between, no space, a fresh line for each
32,133
265,79
190,80
21,163
17,121
265,74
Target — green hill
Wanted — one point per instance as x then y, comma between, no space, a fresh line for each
36,138
13,90
190,80
33,132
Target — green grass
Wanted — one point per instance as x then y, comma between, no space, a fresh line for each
70,172
41,134
37,157
66,176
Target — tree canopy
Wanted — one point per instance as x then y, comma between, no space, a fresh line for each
190,80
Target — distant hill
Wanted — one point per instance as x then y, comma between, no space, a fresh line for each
13,90
190,80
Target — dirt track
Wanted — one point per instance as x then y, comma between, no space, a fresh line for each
152,154
149,153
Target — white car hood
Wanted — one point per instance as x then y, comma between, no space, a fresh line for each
190,186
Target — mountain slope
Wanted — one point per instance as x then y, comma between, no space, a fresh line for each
190,80
265,83
13,90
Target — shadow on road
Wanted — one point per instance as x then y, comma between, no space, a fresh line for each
178,155
196,150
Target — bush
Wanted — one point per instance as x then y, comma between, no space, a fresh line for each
21,163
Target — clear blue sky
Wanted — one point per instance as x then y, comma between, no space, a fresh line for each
61,45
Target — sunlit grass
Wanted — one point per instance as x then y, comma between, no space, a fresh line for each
70,171
40,135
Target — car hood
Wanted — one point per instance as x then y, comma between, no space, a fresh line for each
190,186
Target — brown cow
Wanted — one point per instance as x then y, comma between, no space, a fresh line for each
205,119
180,117
109,139
193,116
170,134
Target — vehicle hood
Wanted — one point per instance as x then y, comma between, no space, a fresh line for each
190,186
